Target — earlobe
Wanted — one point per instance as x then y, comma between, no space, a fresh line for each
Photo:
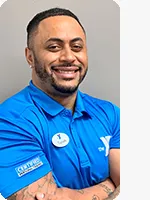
29,57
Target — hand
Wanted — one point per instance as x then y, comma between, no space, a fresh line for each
41,196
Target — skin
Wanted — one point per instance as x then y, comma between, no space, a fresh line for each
59,62
114,194
60,42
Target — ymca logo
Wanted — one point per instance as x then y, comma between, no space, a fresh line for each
105,141
59,137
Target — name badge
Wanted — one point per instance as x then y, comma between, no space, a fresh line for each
60,139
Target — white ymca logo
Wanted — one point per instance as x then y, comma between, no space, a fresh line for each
105,140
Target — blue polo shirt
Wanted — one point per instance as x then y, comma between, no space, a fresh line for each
38,135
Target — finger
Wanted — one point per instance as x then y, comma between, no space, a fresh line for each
39,196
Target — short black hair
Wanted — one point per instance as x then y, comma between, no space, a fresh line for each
33,24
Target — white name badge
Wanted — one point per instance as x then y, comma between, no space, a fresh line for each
60,139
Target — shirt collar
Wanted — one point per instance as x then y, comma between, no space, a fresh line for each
80,106
51,106
48,104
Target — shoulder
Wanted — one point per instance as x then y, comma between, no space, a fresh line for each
101,109
16,105
20,110
21,117
100,104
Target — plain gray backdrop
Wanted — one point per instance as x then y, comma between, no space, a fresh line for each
101,20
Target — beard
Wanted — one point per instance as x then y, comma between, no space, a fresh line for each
50,80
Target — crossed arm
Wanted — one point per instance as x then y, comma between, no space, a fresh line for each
47,186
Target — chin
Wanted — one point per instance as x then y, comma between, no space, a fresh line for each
65,86
66,89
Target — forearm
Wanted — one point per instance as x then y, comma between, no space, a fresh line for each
114,194
48,187
45,185
97,192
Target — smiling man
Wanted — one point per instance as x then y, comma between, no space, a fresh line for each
58,56
53,138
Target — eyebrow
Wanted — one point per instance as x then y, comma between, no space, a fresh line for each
61,41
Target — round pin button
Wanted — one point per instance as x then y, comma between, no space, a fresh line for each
60,139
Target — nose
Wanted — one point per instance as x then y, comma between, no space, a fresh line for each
67,55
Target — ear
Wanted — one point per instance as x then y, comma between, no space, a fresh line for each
29,57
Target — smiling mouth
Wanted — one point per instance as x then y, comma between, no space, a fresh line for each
66,71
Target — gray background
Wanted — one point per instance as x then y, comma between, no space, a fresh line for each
101,19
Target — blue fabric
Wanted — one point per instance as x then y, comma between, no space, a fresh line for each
29,120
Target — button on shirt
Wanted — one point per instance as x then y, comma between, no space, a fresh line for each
38,135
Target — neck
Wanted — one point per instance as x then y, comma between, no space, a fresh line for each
67,101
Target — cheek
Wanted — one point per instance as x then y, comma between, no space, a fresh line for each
51,58
48,59
82,57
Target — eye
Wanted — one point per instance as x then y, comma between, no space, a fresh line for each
77,47
54,48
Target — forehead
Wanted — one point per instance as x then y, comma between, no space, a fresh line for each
63,27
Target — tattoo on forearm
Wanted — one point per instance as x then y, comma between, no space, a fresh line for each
95,197
114,194
51,181
106,189
45,184
80,191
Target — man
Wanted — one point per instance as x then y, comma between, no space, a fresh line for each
53,138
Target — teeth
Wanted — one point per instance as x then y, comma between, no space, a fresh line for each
66,72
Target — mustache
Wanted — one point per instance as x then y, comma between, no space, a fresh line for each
66,65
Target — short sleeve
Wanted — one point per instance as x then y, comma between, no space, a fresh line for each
22,159
115,123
